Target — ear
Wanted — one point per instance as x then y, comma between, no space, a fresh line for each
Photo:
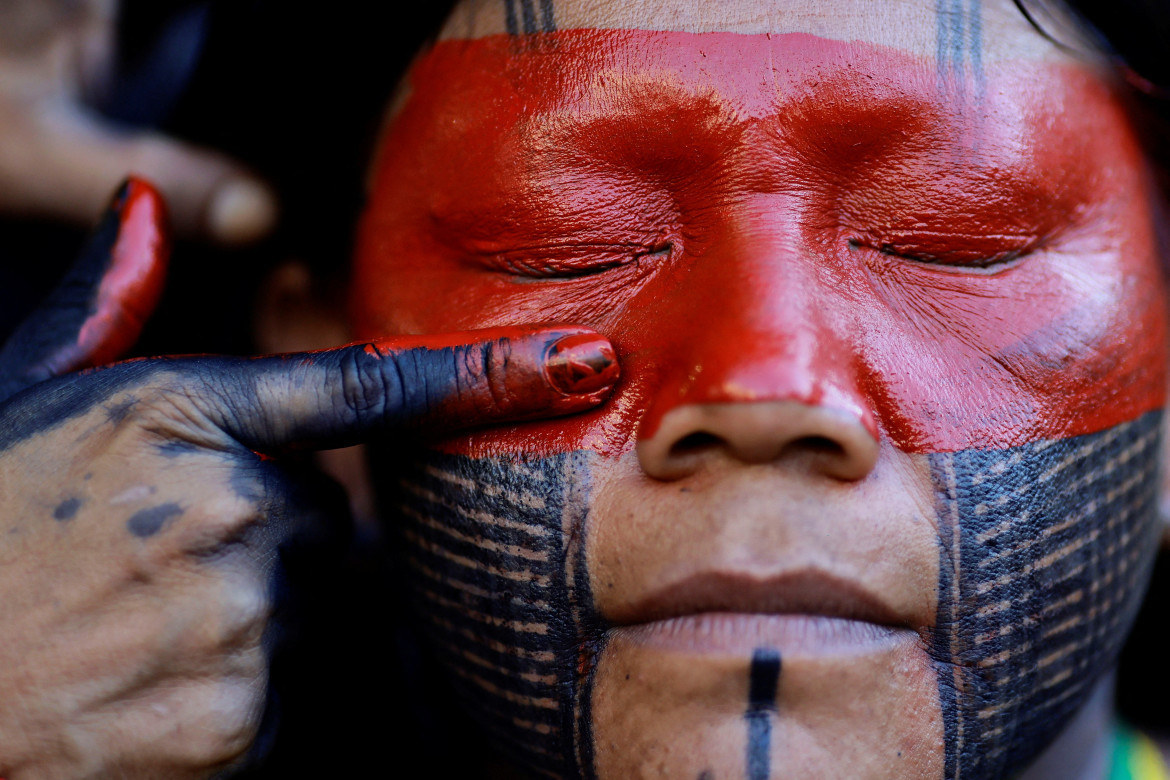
296,313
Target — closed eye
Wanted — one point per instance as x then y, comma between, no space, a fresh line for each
984,253
573,260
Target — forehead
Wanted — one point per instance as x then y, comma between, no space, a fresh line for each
969,76
992,29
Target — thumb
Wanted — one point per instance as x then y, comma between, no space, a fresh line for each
97,311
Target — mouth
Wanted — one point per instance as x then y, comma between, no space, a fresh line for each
804,610
808,592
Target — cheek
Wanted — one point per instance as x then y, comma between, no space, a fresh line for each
493,552
1046,549
1069,342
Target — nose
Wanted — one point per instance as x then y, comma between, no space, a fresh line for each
834,442
764,369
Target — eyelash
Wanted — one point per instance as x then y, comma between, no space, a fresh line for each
529,264
983,265
521,262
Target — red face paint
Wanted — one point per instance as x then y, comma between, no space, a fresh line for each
753,217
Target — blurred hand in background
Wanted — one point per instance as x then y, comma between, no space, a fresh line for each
60,158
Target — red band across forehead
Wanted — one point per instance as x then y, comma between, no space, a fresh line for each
754,217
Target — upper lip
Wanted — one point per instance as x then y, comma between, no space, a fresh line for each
804,592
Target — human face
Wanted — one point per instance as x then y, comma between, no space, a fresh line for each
875,496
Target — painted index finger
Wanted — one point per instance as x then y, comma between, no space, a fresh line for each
437,384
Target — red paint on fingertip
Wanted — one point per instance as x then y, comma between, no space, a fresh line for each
581,364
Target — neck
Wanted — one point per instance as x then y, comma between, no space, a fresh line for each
1081,752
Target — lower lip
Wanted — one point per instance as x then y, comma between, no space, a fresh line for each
739,633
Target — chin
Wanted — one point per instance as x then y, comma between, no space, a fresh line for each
757,696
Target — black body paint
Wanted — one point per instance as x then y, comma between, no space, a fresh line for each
765,678
528,14
1046,549
119,411
148,522
534,19
40,409
510,17
66,509
176,448
495,560
960,45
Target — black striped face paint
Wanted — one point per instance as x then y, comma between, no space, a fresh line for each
765,676
529,16
1044,552
495,561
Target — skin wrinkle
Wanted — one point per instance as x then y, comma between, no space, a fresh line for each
118,411
1003,331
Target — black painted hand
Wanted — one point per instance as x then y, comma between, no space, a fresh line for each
142,509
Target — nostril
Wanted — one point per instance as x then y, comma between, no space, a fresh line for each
821,440
694,442
819,444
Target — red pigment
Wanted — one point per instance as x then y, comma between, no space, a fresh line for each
133,284
960,263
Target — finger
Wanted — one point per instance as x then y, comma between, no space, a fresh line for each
438,384
60,162
98,310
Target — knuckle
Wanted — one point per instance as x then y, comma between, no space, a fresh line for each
173,402
187,401
226,723
219,529
490,371
367,386
245,610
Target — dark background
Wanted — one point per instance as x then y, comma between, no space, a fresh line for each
296,91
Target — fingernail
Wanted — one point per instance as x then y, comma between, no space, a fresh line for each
581,364
241,210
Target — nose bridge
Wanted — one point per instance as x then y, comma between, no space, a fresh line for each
771,326
766,370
